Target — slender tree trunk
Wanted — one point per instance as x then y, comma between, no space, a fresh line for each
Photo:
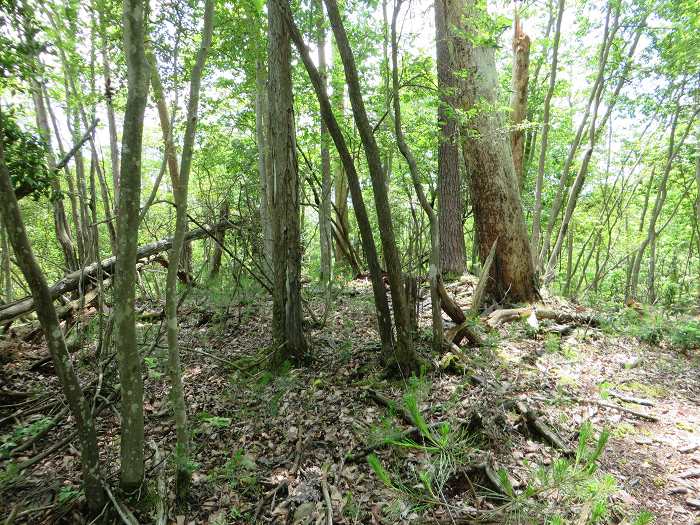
448,24
109,94
434,271
343,246
264,171
132,434
288,335
324,216
381,302
593,132
518,103
498,211
80,408
6,265
404,356
217,253
537,212
59,213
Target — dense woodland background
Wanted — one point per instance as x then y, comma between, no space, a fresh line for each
170,168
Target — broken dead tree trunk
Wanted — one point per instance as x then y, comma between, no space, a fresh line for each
74,280
464,328
499,317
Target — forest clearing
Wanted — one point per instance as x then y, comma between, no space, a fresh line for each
350,262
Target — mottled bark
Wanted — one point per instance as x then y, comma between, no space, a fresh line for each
448,27
264,159
131,379
80,408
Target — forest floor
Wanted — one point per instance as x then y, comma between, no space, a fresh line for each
276,448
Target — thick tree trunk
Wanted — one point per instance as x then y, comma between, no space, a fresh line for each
494,189
132,432
404,357
448,23
288,335
518,102
80,408
381,302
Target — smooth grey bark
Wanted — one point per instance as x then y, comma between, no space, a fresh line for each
287,329
132,432
404,357
434,272
381,302
537,211
448,26
498,212
80,408
674,146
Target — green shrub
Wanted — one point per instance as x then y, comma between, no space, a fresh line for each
686,336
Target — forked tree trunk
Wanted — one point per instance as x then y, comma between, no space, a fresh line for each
448,24
381,302
80,408
132,434
434,271
494,189
287,330
404,357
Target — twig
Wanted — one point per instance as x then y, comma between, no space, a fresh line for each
630,399
327,499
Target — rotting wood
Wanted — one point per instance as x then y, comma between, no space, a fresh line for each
74,280
499,317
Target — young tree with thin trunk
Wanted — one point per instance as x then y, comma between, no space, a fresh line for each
180,182
434,271
381,302
132,435
404,356
80,408
537,212
498,211
324,212
448,25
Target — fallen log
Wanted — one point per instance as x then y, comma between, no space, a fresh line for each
74,280
464,328
499,317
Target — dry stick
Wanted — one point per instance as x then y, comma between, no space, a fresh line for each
327,499
630,399
631,411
